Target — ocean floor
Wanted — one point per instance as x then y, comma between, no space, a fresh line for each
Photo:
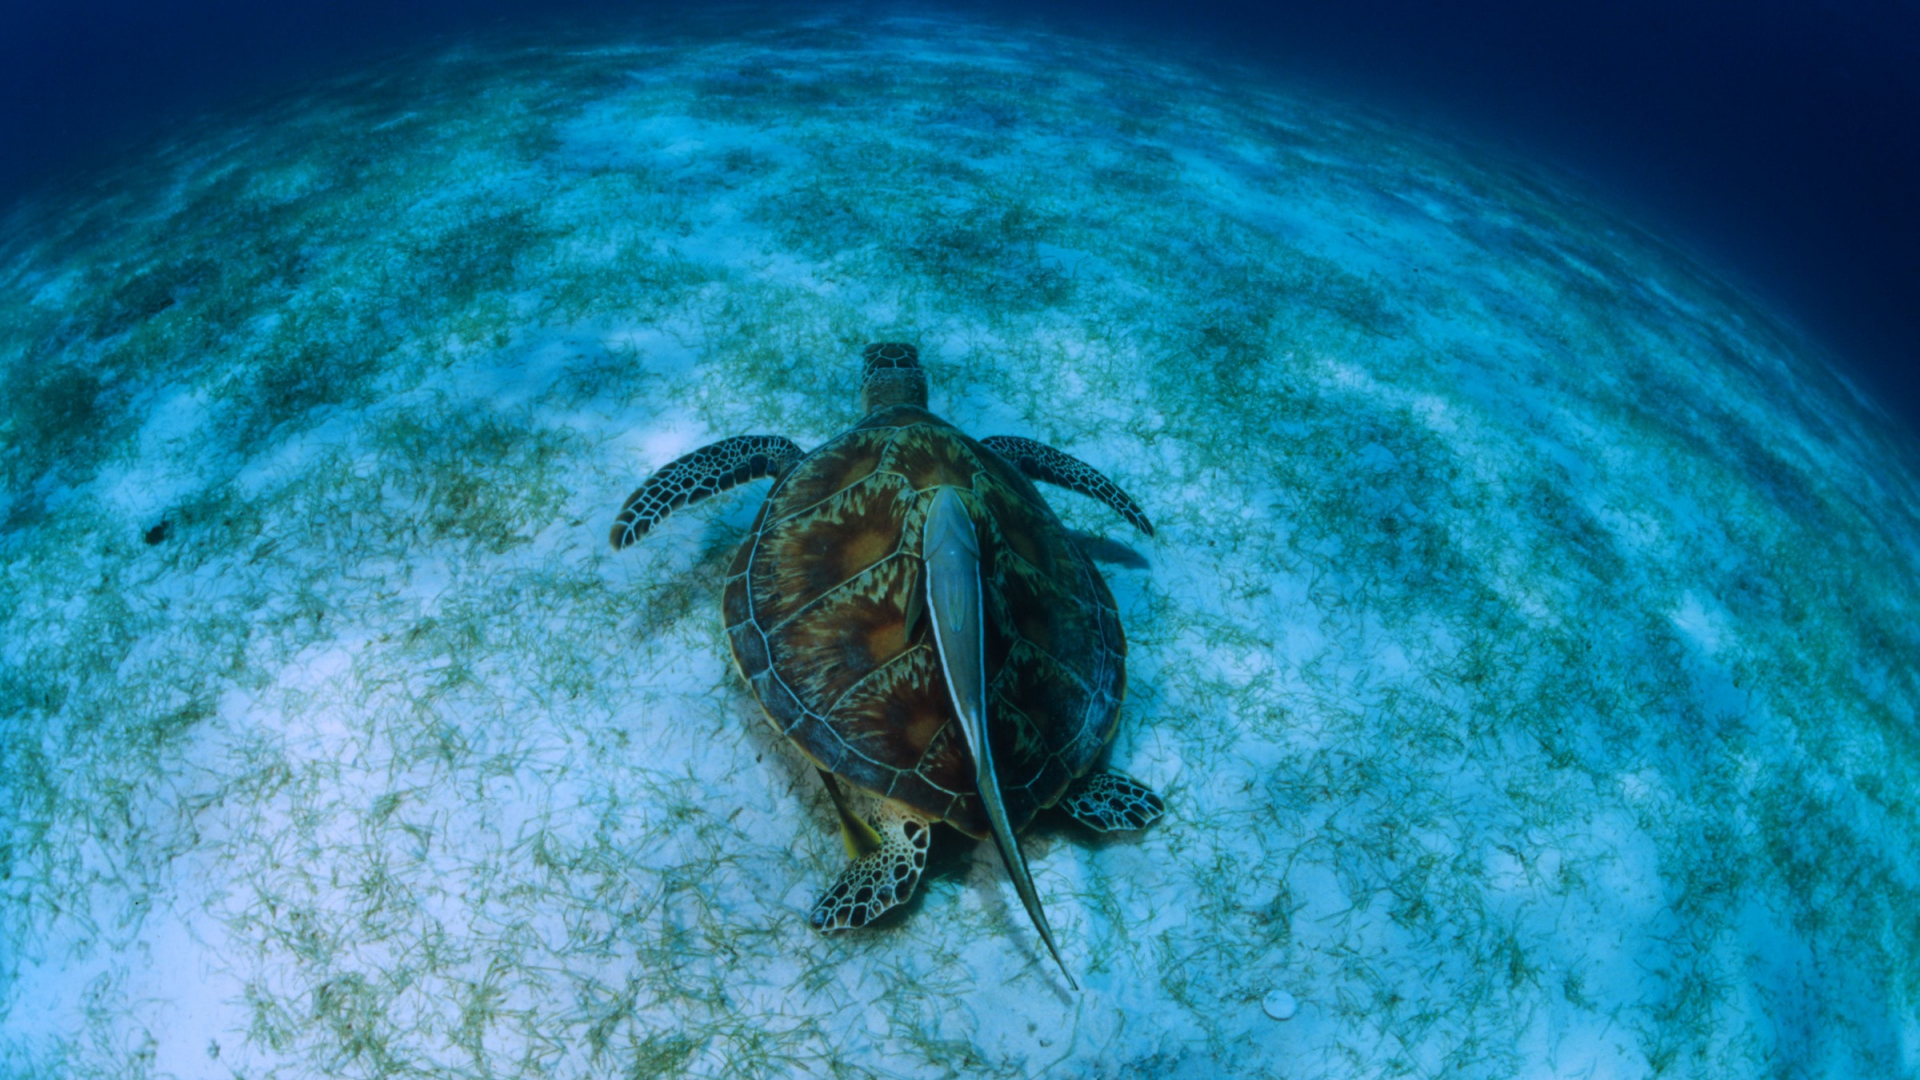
1527,654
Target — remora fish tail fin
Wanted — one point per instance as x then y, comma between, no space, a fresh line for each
951,550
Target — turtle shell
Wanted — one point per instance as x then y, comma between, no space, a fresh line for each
826,614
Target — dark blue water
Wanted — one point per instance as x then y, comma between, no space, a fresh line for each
1779,140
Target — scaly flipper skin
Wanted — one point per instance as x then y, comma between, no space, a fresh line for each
707,471
1043,463
1112,802
879,881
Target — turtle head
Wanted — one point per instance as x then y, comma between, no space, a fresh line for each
892,376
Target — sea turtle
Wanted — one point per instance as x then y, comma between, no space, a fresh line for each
915,618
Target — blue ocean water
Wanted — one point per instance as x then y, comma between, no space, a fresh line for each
1525,649
1781,138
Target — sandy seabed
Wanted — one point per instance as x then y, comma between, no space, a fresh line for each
1527,653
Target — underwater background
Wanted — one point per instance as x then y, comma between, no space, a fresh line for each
1526,652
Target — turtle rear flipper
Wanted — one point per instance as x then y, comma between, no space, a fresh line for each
707,471
1112,802
880,880
1047,465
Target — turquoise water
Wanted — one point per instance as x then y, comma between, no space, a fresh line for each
1525,653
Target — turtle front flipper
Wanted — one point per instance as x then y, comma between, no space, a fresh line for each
950,547
1112,802
707,471
1047,465
880,880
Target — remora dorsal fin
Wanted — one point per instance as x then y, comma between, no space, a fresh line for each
951,551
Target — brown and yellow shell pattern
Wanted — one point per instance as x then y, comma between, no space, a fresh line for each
826,616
